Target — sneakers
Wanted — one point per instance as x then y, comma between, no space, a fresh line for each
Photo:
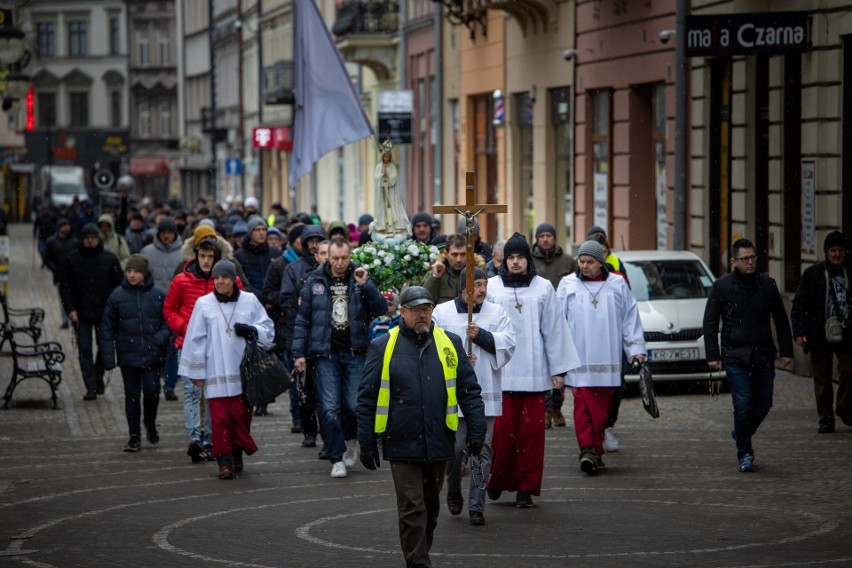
523,500
322,454
477,519
455,502
352,454
195,452
90,395
494,494
610,442
310,441
338,469
589,461
170,395
226,472
133,445
558,419
152,434
747,464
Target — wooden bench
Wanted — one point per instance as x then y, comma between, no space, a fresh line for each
37,361
22,320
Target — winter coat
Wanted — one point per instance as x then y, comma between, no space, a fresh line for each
445,288
312,334
55,253
187,251
294,278
162,260
553,264
256,260
83,218
133,321
136,240
745,304
416,427
44,225
89,275
116,244
809,305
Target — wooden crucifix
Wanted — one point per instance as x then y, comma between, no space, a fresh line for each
469,210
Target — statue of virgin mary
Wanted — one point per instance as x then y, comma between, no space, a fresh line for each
391,220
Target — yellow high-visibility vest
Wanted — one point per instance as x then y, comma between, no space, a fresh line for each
449,361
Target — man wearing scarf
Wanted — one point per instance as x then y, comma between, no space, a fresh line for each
544,353
213,348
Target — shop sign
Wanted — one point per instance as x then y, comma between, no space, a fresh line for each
746,34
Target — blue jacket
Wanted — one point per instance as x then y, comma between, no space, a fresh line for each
312,335
295,275
133,320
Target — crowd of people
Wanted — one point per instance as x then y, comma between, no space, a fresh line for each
170,295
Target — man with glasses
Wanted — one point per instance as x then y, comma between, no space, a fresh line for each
336,306
745,300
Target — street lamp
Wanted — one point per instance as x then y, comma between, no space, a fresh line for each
12,44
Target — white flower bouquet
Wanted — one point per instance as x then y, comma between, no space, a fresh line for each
394,266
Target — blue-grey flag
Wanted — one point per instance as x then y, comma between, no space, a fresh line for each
328,114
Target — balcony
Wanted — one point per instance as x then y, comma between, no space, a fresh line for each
367,34
278,82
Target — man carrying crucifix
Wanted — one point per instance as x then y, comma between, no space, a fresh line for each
544,353
603,317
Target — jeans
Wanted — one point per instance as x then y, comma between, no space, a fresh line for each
192,397
170,375
338,376
144,381
751,394
91,367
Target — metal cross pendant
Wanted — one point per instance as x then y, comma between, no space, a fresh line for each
228,331
518,307
595,302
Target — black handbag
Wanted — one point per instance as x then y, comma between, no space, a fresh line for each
646,390
263,375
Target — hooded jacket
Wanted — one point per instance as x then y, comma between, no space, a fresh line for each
295,275
187,251
114,243
553,264
162,259
256,260
133,320
89,275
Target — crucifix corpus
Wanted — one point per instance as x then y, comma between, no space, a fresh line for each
469,210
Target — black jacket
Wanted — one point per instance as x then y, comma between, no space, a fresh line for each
295,275
808,313
88,278
416,429
133,320
312,334
255,260
55,253
745,304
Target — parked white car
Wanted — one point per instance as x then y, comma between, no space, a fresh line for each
671,288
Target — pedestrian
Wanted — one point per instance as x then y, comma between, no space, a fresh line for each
490,339
133,321
59,246
442,280
256,256
492,267
220,324
544,353
745,300
824,293
135,234
416,416
44,227
336,306
89,275
421,228
603,317
381,325
112,241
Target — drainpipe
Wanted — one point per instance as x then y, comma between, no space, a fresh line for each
403,81
438,112
679,233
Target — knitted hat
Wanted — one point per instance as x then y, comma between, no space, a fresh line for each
138,262
251,202
421,218
224,268
254,223
517,244
336,227
207,222
545,228
167,224
294,233
478,274
365,219
463,226
595,229
240,229
274,231
203,232
834,239
593,249
62,221
439,242
90,229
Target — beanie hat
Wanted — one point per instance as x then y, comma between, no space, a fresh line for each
545,228
594,229
90,229
62,221
517,244
138,262
421,218
294,233
207,222
593,249
167,224
274,231
478,274
251,202
224,268
439,242
365,219
254,223
240,229
338,227
834,239
463,226
203,232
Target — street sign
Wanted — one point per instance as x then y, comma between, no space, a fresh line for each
233,166
723,35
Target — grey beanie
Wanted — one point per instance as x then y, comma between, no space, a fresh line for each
595,229
593,249
207,222
545,228
254,223
478,274
225,268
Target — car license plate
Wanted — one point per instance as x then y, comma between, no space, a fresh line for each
685,354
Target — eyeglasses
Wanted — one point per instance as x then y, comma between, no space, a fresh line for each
747,259
420,310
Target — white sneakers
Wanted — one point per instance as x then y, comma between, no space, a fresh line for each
338,469
352,453
610,443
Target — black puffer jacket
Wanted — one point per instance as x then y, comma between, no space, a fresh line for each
295,275
809,305
416,429
312,335
256,260
745,303
133,320
56,252
89,276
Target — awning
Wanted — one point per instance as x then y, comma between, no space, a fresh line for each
148,166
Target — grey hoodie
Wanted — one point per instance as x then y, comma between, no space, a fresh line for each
162,260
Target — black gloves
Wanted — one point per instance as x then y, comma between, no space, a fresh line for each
475,448
246,331
370,458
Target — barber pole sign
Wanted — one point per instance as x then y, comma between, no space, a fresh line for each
499,111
